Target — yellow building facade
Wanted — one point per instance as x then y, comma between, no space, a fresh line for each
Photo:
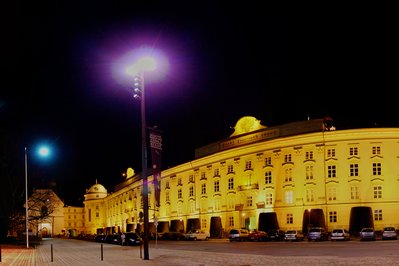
289,177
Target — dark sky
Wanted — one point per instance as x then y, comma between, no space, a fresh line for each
226,61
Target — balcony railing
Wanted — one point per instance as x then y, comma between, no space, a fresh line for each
248,187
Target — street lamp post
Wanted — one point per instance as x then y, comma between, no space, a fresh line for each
43,152
26,200
139,84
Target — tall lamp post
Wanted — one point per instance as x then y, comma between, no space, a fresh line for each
43,152
137,70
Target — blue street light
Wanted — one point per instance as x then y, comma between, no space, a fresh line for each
42,151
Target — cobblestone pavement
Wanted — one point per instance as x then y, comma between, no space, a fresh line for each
66,252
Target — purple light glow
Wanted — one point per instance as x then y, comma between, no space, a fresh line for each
138,60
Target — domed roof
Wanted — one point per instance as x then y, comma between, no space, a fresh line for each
96,191
96,188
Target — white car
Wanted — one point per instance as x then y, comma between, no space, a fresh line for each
197,235
340,234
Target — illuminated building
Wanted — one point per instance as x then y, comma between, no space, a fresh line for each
289,177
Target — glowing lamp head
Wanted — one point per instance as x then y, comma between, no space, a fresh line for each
145,63
43,151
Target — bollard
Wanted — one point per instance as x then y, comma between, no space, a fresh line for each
51,252
101,251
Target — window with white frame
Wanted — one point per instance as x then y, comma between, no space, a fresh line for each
288,158
216,186
268,177
332,193
230,169
377,192
376,150
248,165
290,218
231,221
249,201
179,193
355,194
288,174
332,171
354,169
376,168
191,191
230,183
377,215
330,153
289,197
309,155
203,224
309,195
333,216
269,199
268,161
353,151
309,172
203,188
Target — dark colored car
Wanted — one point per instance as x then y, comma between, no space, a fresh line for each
275,235
317,234
100,238
257,235
113,239
172,236
132,239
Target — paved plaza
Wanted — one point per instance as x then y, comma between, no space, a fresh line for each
69,252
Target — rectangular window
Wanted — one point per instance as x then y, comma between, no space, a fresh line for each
287,158
203,188
216,172
376,150
332,171
249,201
248,165
331,153
378,192
179,193
309,195
354,169
216,186
191,178
217,204
167,198
376,168
231,221
268,161
290,218
377,215
179,183
203,224
269,198
289,197
309,155
288,175
353,151
333,217
89,215
355,193
268,177
231,183
230,169
332,193
191,191
309,172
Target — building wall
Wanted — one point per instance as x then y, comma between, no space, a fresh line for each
328,170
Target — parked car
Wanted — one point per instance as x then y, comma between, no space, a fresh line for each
389,233
238,235
317,234
100,238
132,239
172,236
367,234
257,235
275,235
293,235
340,234
113,239
197,235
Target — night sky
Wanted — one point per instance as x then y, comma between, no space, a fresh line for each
280,65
